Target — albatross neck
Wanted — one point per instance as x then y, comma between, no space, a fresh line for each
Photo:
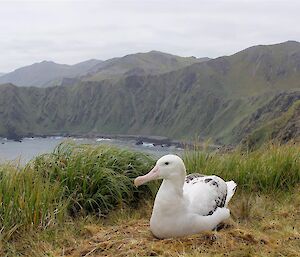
169,199
172,187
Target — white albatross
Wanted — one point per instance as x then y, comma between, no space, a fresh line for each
186,205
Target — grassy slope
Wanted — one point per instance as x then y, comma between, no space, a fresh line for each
48,73
216,99
43,220
283,127
153,62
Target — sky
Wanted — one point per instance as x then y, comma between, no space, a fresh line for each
73,31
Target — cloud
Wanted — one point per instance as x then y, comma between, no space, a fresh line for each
73,31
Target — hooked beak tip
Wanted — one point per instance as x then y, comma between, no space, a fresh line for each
135,183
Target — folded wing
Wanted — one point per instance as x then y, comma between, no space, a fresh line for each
205,194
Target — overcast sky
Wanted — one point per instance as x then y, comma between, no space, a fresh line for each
74,31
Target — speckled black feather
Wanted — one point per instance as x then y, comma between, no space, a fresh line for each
197,177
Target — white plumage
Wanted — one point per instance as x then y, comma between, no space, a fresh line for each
186,205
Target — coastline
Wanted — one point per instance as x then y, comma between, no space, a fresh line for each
139,139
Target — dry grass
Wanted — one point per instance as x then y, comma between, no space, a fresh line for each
265,210
269,227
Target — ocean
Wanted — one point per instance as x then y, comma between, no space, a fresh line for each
28,148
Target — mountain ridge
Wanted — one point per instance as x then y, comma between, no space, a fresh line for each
217,99
49,73
45,73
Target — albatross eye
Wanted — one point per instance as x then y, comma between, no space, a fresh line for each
166,163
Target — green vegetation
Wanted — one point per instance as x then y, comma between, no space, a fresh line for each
225,99
73,180
271,168
95,179
27,200
48,73
284,128
153,62
80,201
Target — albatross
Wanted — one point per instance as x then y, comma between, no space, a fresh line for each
186,205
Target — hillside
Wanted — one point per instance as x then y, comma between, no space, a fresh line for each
278,119
226,99
153,62
48,73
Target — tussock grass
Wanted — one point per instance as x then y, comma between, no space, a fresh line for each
27,200
271,168
95,178
55,205
73,180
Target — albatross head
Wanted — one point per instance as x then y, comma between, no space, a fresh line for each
167,167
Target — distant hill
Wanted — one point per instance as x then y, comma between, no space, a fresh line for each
247,97
153,62
48,73
1,74
278,119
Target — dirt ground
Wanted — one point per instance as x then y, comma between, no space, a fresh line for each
274,232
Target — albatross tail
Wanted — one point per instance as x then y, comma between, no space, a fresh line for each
231,187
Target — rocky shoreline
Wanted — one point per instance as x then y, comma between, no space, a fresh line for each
139,139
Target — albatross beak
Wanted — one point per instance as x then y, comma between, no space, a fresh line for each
151,175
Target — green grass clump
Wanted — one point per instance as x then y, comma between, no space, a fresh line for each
27,200
73,180
271,168
96,178
87,179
